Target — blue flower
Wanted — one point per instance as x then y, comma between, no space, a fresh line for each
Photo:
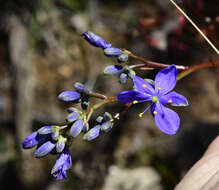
62,164
34,139
96,40
166,119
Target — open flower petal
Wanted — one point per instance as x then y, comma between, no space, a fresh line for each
166,80
166,119
69,96
142,86
174,99
130,96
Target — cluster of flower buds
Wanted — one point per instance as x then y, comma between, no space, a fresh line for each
57,139
105,124
109,51
48,140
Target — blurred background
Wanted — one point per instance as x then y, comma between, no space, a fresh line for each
42,54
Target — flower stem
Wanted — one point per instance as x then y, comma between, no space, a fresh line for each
96,106
97,95
195,26
151,64
197,67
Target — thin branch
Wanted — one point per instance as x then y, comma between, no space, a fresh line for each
196,27
198,67
151,64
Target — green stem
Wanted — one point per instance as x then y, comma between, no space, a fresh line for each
96,106
97,95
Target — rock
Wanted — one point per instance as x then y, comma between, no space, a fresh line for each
142,178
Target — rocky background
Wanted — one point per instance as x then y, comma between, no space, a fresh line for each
42,54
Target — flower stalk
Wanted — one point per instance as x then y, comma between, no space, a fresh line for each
196,68
151,64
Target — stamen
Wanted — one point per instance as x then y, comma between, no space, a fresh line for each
154,112
170,101
135,102
140,115
144,85
158,88
116,116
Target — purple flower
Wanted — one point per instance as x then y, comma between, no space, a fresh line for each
33,139
62,164
44,149
166,119
96,40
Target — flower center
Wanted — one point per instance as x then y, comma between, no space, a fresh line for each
155,99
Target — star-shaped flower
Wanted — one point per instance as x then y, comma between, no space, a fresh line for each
159,95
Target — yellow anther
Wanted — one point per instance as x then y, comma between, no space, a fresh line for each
140,114
170,101
158,88
135,102
144,85
154,112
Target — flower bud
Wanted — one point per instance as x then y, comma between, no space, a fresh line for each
99,119
79,87
45,130
123,58
30,141
72,109
96,40
69,96
44,149
92,134
123,78
85,127
112,52
106,126
84,105
55,134
72,117
34,139
60,145
76,128
62,164
107,116
113,70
